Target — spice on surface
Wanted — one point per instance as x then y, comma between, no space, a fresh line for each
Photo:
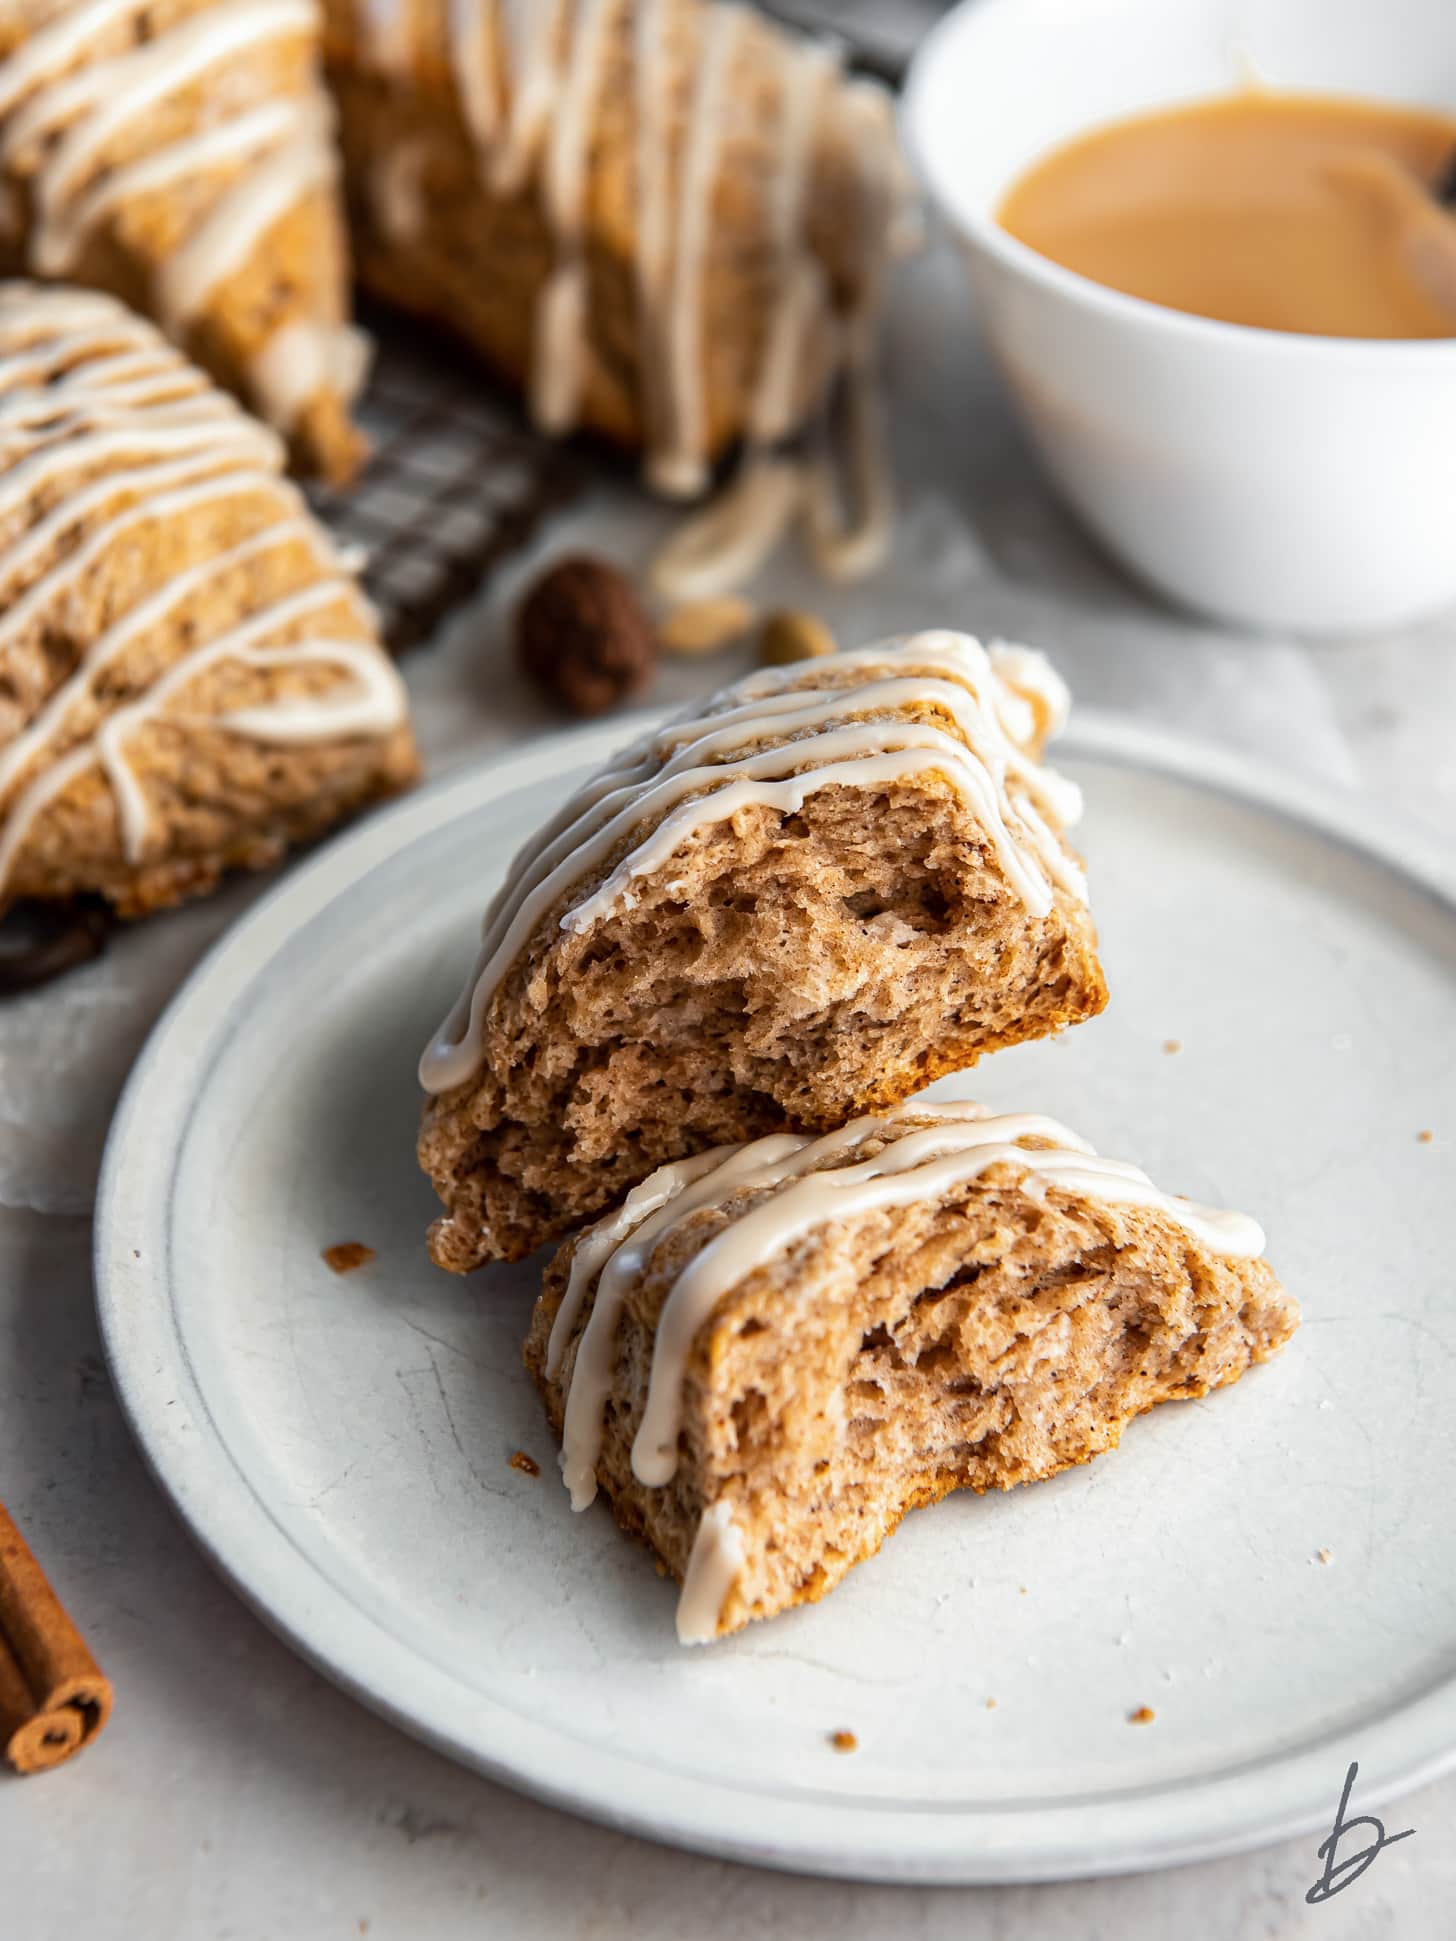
347,1256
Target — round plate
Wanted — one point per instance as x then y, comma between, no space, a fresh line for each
1281,1037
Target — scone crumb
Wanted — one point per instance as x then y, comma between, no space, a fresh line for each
348,1256
843,1741
1144,1715
1325,1554
1172,1046
1425,1136
527,1465
990,1704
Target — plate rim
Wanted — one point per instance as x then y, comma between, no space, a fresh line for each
165,1406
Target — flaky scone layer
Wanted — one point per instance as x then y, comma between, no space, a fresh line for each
987,1335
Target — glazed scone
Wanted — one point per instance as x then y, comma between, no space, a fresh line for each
190,679
666,221
804,898
180,154
767,1355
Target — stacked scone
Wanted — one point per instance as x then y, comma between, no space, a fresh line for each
704,998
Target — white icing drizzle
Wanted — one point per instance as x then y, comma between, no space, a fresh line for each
670,1201
725,544
248,208
50,721
63,113
534,44
560,348
652,260
800,299
386,33
302,359
860,729
676,463
529,79
117,405
713,1569
851,517
846,501
786,1187
55,247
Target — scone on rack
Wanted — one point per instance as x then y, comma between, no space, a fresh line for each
190,678
805,898
180,154
768,1354
665,220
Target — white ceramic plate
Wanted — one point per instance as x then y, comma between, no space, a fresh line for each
340,1446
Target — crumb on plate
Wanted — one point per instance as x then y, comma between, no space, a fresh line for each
1172,1045
843,1741
527,1465
1425,1136
990,1704
347,1256
1325,1554
1144,1715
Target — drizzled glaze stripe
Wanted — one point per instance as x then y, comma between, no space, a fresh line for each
529,80
113,403
834,725
774,1192
80,86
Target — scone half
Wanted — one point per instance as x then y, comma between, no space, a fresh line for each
805,898
768,1355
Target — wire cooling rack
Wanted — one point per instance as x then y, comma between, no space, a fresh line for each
455,482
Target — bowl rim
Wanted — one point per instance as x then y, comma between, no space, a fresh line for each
984,232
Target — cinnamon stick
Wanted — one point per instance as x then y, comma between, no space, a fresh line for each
53,1696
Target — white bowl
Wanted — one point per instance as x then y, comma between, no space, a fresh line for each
1277,480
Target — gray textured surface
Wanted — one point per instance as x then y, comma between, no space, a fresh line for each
237,1795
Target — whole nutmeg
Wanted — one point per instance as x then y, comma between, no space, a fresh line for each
791,636
582,634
